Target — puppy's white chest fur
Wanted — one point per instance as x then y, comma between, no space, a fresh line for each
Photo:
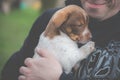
65,50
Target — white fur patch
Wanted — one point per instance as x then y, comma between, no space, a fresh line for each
64,49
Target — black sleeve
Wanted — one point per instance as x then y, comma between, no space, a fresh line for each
103,64
11,68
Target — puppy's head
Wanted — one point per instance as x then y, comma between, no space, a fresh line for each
71,20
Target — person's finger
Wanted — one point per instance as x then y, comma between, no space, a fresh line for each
21,77
28,62
24,70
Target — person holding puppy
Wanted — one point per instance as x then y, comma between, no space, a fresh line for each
103,64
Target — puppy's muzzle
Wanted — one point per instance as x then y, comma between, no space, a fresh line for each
85,37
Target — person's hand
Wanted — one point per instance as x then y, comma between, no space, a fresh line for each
44,68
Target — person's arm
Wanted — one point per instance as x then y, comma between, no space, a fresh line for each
44,68
103,64
11,68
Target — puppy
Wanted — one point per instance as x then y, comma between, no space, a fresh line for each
67,27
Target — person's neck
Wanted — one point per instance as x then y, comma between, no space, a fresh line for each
109,15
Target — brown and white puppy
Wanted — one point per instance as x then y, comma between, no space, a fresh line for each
66,28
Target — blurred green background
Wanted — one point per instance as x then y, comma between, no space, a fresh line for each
16,20
13,30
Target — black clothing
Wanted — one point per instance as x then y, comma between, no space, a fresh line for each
76,2
103,64
103,33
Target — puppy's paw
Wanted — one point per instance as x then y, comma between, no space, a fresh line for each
88,47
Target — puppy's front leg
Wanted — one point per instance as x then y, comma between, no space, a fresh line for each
87,49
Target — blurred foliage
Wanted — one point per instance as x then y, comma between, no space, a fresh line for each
14,28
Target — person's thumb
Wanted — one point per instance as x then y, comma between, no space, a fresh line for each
44,53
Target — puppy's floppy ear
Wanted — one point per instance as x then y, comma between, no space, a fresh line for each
55,22
58,19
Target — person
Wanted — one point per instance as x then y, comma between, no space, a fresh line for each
103,64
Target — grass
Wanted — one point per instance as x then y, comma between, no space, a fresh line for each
13,30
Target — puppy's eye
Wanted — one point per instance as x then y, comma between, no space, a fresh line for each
80,25
76,25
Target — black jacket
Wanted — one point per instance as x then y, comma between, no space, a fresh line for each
103,33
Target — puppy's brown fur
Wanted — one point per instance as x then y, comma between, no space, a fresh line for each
71,20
